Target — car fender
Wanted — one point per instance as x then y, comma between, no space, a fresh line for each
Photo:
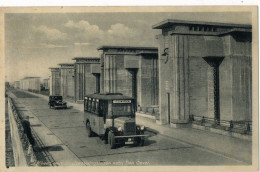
112,129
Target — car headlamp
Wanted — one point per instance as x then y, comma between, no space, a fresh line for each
119,129
142,127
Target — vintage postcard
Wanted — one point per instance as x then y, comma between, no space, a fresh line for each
129,88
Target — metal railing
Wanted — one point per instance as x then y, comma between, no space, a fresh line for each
242,127
26,146
151,110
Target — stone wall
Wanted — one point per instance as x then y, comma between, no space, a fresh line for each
148,81
67,81
84,79
116,78
120,66
55,82
197,58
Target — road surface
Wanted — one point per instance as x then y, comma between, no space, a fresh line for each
68,126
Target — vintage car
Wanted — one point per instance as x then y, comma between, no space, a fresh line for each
112,117
57,103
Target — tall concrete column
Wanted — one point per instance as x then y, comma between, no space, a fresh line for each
102,74
164,85
55,81
210,91
84,79
179,52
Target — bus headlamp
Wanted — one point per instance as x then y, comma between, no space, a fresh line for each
142,127
119,129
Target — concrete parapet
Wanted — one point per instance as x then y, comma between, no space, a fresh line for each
20,141
222,132
146,117
180,125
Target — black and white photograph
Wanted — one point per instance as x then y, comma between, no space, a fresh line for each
131,87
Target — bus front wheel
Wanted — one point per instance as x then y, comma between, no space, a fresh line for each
111,140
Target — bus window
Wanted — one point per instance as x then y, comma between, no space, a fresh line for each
97,106
93,106
109,110
101,108
86,104
122,109
89,104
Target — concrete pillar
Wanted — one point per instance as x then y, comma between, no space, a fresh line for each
210,91
164,81
179,53
118,66
84,79
55,81
67,80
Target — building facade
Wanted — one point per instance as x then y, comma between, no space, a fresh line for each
55,82
17,84
86,77
205,70
46,83
131,71
67,80
30,84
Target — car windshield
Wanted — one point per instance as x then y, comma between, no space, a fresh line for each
122,109
56,98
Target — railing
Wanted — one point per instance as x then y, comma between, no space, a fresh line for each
26,152
151,110
242,127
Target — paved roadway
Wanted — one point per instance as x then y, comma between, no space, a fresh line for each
68,126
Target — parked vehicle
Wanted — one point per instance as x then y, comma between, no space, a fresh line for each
56,102
112,118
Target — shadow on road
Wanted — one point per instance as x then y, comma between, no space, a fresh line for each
48,148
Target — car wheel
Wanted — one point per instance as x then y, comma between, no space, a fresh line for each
111,139
141,143
105,139
89,131
141,139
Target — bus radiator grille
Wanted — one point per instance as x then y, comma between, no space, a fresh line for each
129,128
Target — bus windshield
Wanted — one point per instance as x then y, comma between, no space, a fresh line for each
122,109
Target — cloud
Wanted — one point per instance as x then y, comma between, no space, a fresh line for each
118,33
84,26
82,31
82,43
50,33
69,24
84,36
45,45
121,30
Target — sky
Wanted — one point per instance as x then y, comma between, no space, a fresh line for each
35,42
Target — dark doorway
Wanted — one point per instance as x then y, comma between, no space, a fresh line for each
169,108
134,85
97,82
214,62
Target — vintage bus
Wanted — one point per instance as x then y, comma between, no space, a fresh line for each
112,117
